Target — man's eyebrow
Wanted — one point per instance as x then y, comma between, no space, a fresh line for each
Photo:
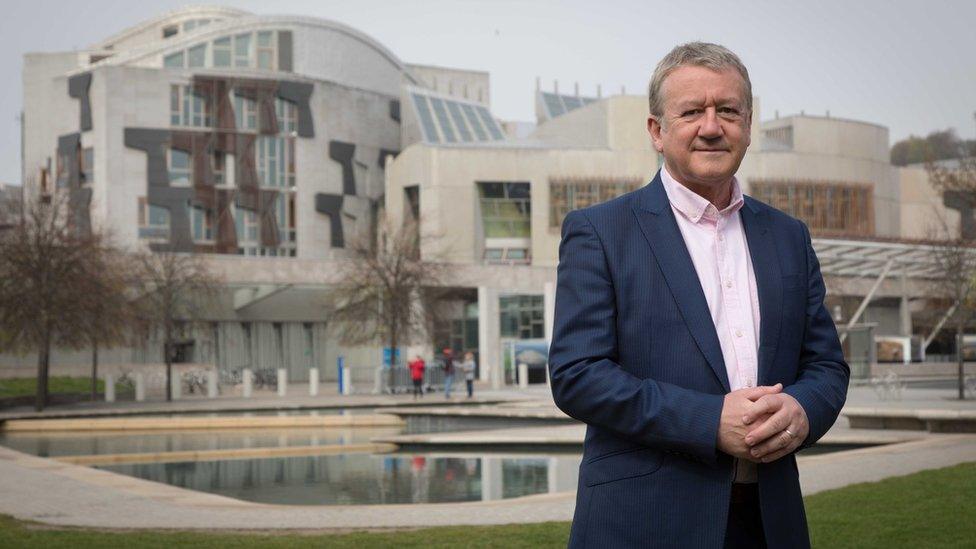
731,100
684,104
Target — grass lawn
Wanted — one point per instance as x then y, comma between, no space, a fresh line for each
27,386
928,509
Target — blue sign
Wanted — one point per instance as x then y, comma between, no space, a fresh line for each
386,357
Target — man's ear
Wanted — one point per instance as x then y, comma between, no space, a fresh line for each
654,130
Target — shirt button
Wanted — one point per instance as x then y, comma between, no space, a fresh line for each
738,333
721,237
728,283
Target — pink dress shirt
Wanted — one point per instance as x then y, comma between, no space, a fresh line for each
717,244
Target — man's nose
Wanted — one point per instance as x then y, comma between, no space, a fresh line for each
710,128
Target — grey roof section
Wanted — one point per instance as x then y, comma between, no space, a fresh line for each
555,104
448,120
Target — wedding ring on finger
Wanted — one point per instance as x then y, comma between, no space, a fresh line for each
789,433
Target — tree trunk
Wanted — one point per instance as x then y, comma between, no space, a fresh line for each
960,363
169,371
94,380
43,362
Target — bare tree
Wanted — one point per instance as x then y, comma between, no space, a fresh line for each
106,303
955,251
386,292
177,289
44,263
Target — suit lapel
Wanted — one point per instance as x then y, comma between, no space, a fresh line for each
660,228
769,282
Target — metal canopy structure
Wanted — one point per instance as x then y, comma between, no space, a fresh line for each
865,258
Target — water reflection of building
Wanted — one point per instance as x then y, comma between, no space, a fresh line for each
268,142
368,479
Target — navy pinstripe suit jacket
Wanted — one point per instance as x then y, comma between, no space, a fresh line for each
635,356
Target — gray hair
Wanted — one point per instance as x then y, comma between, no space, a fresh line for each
699,54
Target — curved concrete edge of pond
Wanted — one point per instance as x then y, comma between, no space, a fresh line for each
194,423
932,420
57,493
229,453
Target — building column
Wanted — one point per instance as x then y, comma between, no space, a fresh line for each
549,308
489,345
904,310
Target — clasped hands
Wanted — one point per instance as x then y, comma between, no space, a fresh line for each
761,424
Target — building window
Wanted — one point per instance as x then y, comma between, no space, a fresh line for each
566,195
221,52
245,113
180,168
778,139
218,163
287,115
62,169
828,209
275,161
285,213
242,50
201,222
197,56
87,167
174,60
153,221
188,108
505,210
246,223
266,50
171,30
522,316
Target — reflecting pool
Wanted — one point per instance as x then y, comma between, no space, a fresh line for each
367,478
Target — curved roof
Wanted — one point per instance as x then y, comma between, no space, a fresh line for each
229,26
170,16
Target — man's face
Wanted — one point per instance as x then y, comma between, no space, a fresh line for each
704,130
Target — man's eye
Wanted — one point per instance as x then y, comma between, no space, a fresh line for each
691,112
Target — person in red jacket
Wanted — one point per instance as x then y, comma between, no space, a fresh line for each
417,375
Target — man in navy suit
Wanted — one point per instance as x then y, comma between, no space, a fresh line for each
691,336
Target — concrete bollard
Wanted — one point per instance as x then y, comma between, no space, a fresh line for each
313,382
282,382
177,385
109,388
212,384
140,387
248,378
523,375
347,381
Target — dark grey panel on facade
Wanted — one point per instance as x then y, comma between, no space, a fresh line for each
299,94
78,86
155,142
395,110
342,153
285,51
962,202
331,205
383,154
79,198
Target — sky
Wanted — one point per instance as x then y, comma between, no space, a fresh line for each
906,65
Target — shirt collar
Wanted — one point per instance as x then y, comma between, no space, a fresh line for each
693,206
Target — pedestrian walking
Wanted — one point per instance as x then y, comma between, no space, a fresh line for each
468,367
417,375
